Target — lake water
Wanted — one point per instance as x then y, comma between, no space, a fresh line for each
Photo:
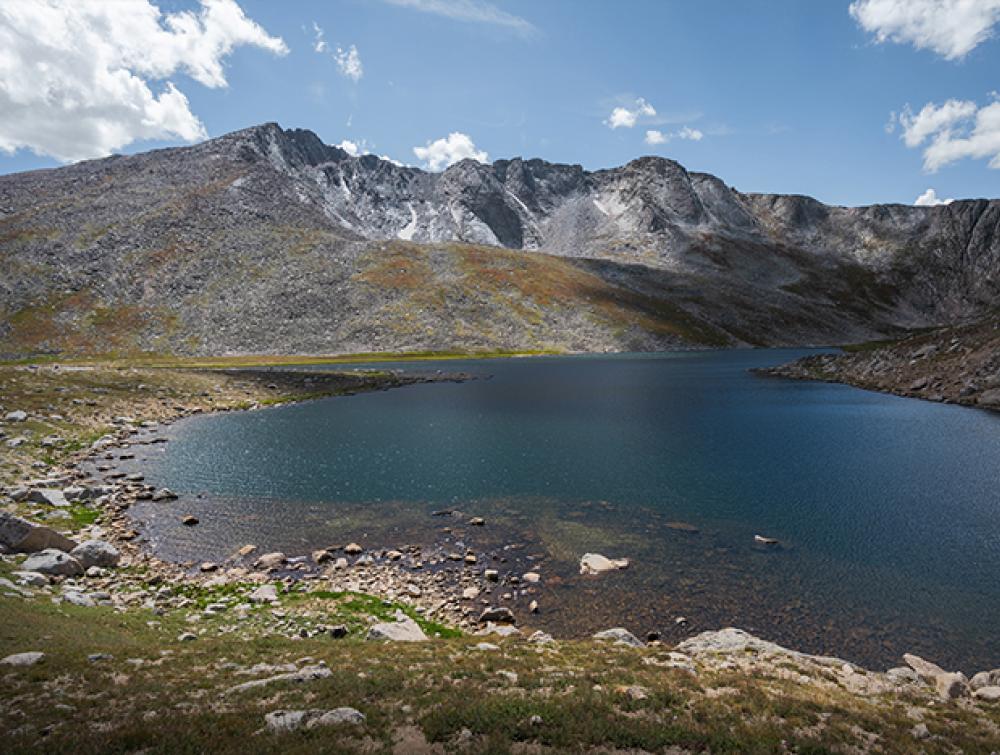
887,509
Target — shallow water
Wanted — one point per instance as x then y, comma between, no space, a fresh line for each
887,509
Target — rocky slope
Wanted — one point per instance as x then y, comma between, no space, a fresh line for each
268,240
959,364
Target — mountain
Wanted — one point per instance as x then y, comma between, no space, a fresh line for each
269,241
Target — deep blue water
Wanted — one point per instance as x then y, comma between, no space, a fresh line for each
888,509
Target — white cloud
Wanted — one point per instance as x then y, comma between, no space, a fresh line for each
351,148
953,131
951,28
627,117
439,154
76,76
654,136
930,199
349,63
319,43
474,11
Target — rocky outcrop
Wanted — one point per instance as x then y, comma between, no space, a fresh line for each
267,240
958,364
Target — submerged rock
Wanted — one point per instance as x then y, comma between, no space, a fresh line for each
497,614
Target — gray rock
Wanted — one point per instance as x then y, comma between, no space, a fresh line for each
291,720
403,629
31,578
96,553
23,659
902,675
16,416
497,614
986,679
989,694
164,494
951,685
21,536
51,561
541,638
50,496
77,598
620,636
271,560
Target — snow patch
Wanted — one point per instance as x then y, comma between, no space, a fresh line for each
407,232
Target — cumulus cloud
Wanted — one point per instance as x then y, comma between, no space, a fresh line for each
930,199
441,153
352,148
349,63
472,11
82,78
953,131
627,117
951,28
655,136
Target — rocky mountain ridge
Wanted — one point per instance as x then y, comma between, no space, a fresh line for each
268,240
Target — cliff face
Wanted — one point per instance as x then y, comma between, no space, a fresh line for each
267,240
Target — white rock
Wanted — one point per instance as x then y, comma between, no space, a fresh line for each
290,720
304,674
50,496
595,563
16,416
403,629
23,659
264,594
620,636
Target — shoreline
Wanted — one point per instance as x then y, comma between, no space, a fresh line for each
218,615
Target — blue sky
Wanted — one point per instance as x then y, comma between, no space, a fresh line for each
776,96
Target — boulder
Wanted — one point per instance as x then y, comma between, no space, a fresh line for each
31,578
497,614
96,553
925,669
952,685
77,598
403,629
352,549
21,536
23,659
595,563
164,494
51,561
291,720
50,496
271,560
989,694
264,594
620,636
986,679
16,416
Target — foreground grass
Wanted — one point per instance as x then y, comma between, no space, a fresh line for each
156,694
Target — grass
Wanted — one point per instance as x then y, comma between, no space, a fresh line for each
162,695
